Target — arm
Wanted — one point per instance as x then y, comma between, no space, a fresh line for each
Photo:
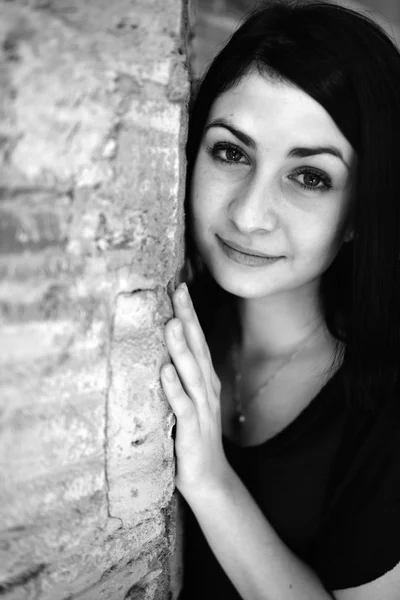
258,563
386,587
255,559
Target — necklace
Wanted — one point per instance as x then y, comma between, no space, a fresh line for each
240,417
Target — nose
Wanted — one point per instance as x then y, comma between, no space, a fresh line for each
254,206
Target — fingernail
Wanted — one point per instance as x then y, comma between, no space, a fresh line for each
183,295
169,372
177,330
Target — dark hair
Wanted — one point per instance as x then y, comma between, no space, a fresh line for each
348,64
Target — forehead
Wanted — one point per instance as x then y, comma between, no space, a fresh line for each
277,112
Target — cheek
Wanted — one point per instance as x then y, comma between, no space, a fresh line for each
319,241
197,195
201,219
204,203
199,210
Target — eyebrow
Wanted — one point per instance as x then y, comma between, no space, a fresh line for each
314,150
243,137
301,152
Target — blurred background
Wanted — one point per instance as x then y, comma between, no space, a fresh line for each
213,21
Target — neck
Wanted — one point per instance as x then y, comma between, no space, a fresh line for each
275,326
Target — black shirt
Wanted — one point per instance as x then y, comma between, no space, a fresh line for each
330,495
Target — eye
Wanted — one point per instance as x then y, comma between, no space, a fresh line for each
312,179
227,153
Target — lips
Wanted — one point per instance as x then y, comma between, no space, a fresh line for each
246,250
244,256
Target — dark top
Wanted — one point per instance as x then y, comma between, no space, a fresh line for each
329,484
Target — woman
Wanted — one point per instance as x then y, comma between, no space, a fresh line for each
288,426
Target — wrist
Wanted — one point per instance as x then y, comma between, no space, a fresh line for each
208,489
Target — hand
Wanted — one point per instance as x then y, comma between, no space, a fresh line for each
192,389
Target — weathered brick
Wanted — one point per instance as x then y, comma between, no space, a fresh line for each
30,267
38,442
140,453
92,128
48,346
126,581
94,561
28,225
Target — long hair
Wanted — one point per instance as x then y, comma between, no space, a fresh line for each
348,64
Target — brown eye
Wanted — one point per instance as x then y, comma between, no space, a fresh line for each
233,155
311,179
228,154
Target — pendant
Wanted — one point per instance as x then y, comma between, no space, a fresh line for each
240,419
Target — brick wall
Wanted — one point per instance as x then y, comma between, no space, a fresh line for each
92,130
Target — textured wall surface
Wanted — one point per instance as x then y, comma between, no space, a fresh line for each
92,129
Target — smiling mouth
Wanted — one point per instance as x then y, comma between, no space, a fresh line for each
246,251
242,256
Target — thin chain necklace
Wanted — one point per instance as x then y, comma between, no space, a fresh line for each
240,417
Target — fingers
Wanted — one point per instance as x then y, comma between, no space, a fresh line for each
183,309
197,343
186,365
181,405
192,389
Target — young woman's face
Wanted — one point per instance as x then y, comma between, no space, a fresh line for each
271,189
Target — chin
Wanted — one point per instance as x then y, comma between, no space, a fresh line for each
240,285
257,285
